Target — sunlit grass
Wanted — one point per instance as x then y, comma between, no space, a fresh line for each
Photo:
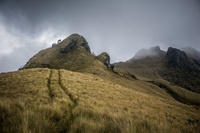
49,100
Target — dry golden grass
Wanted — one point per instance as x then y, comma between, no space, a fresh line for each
27,105
110,107
49,100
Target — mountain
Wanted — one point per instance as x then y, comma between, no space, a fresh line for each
174,66
65,88
153,51
73,53
192,52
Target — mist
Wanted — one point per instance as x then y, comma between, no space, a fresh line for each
120,28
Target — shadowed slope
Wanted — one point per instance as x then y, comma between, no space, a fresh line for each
174,66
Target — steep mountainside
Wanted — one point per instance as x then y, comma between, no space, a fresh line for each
175,66
73,53
182,70
192,52
67,89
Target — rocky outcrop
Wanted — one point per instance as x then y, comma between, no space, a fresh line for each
69,47
182,70
176,58
105,59
75,41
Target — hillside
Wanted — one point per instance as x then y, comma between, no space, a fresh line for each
174,66
76,91
73,53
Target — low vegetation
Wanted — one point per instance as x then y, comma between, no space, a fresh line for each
50,100
67,89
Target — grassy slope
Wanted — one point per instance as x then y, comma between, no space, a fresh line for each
33,101
148,69
49,100
93,99
76,60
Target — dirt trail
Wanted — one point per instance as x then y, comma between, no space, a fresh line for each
55,85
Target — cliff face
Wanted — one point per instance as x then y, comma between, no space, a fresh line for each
178,58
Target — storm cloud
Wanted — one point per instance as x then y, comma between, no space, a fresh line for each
119,27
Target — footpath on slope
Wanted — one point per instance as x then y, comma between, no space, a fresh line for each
56,88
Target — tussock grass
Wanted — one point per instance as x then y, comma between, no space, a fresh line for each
107,106
27,106
84,102
92,99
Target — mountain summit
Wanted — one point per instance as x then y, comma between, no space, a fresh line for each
73,53
153,51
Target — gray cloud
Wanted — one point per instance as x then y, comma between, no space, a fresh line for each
118,27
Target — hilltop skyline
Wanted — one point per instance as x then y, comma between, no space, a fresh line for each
118,28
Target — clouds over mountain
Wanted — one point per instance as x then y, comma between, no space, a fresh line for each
112,26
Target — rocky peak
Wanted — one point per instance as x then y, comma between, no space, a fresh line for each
176,57
153,51
76,41
73,53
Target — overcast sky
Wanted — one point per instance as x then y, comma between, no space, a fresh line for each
119,27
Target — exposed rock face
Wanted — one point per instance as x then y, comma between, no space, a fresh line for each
69,47
75,41
175,66
105,59
182,70
176,58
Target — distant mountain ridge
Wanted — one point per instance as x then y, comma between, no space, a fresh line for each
176,66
